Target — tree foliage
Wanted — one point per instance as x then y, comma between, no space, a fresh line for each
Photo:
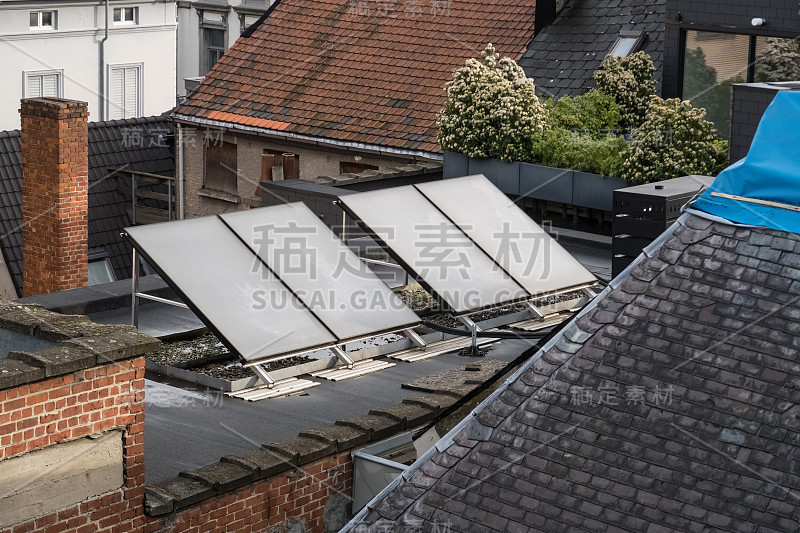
674,140
629,80
492,110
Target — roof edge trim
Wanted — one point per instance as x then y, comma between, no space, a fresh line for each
306,138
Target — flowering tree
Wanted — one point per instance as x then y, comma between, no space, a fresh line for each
675,140
492,110
630,81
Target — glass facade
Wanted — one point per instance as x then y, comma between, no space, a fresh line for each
713,61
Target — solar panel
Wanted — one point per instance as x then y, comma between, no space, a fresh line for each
442,256
234,294
503,230
324,273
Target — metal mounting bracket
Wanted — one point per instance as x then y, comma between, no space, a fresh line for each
342,356
415,338
467,321
535,310
264,376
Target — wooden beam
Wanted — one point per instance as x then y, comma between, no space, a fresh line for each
755,201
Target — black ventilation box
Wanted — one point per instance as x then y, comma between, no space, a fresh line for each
643,212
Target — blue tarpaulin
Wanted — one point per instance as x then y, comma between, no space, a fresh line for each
770,172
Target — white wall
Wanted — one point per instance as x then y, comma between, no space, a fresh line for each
234,15
73,47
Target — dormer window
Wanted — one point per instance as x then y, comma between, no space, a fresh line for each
43,20
126,15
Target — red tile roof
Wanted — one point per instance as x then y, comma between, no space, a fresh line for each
356,71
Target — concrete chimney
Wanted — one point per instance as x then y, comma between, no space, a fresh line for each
55,186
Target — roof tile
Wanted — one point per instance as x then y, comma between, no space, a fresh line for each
706,445
357,65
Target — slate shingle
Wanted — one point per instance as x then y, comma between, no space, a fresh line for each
131,143
588,29
687,422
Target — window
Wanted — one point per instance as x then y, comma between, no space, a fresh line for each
221,167
124,94
45,20
100,271
626,44
712,62
126,15
347,167
214,45
43,84
777,59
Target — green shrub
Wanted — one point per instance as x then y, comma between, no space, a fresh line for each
675,140
562,148
492,110
595,113
629,80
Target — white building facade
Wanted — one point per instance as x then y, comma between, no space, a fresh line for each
206,29
119,56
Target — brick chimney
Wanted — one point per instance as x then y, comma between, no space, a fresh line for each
55,186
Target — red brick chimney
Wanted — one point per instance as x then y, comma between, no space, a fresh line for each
55,186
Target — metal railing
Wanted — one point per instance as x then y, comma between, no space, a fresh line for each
137,192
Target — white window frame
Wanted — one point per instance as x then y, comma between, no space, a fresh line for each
39,26
27,74
140,89
122,20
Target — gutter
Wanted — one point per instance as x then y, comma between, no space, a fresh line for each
181,214
319,141
102,68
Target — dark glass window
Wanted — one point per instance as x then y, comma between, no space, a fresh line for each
214,41
712,62
777,59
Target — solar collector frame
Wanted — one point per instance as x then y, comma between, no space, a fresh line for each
314,332
482,202
479,208
485,276
337,276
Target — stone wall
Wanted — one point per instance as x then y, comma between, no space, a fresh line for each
314,161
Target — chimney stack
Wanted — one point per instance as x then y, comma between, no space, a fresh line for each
55,186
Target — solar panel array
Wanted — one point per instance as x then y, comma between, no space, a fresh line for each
467,242
271,281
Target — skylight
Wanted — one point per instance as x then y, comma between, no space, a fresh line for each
626,44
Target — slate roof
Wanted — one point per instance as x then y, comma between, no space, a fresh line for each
562,58
132,144
361,71
707,325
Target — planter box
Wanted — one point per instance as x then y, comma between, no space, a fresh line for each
455,165
529,180
504,175
594,191
545,183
